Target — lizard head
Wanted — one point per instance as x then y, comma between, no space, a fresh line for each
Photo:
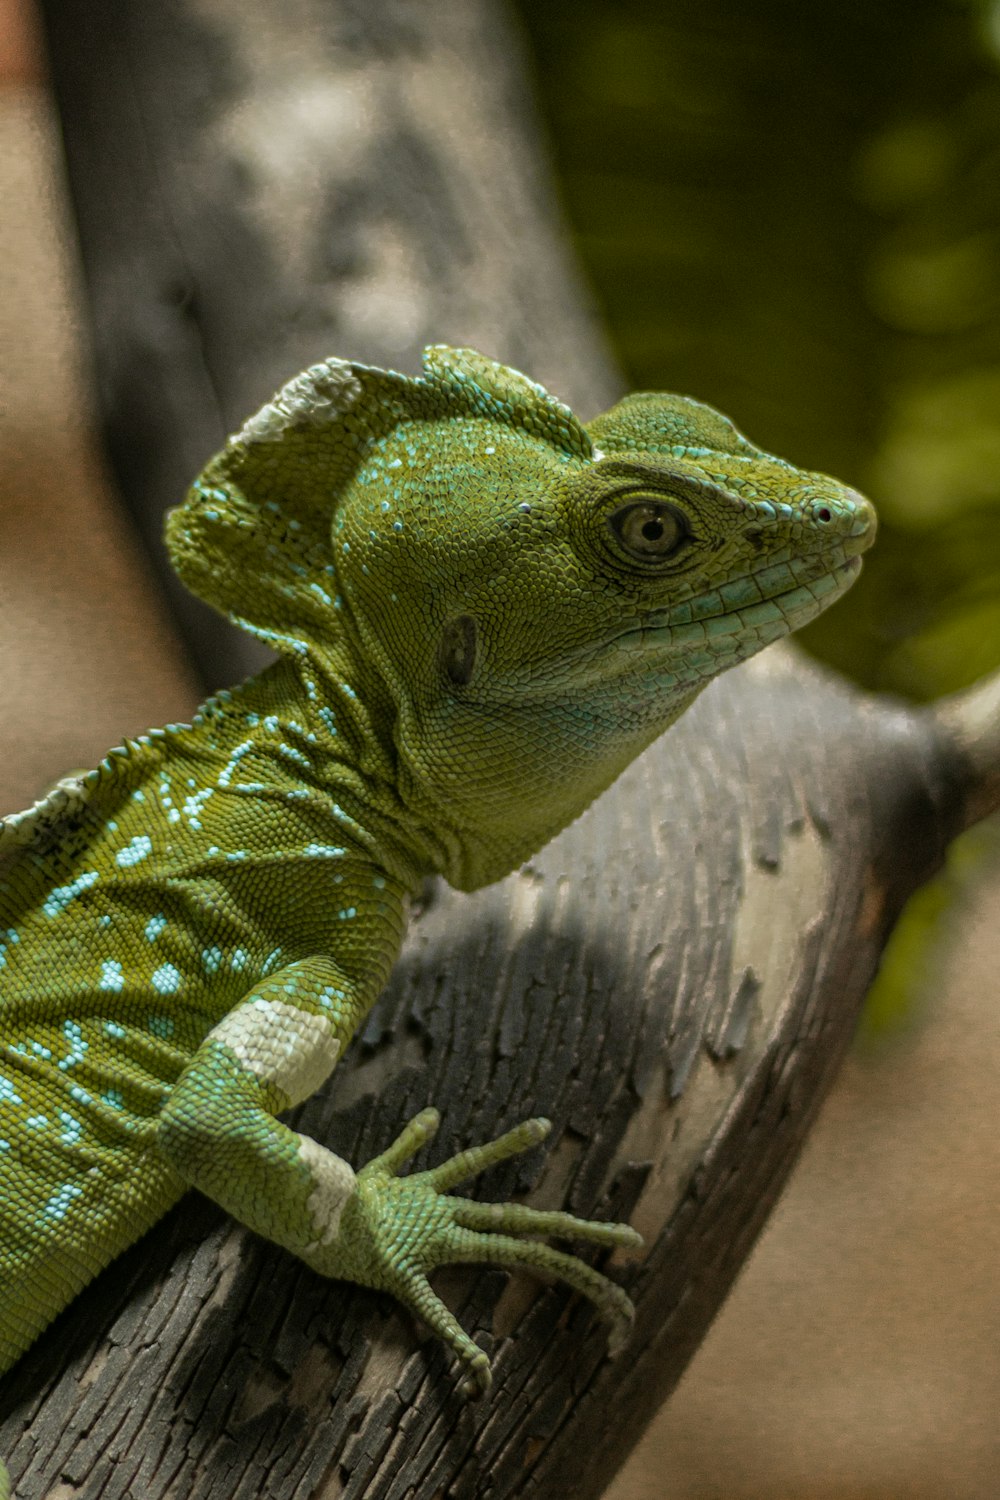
527,602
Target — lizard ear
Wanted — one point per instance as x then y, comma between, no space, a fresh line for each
656,422
481,387
252,537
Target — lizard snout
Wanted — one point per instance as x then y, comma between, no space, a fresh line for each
851,518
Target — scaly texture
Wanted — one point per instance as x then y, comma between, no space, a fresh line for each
484,610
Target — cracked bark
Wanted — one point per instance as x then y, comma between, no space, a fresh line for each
674,979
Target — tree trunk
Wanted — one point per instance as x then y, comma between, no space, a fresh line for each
673,980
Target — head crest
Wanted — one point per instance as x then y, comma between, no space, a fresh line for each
657,422
252,536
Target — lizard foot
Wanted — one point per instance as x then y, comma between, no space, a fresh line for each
396,1229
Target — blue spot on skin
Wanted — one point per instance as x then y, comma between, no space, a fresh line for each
8,1093
58,1205
76,1044
211,958
7,939
295,756
155,926
111,1028
167,980
193,806
239,959
323,851
114,1098
59,899
161,1026
71,1131
138,849
226,773
112,977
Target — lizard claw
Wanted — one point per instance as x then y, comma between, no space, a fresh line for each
395,1230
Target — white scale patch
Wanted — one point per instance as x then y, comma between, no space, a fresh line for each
315,397
63,800
281,1045
334,1183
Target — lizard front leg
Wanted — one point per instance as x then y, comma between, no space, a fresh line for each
373,1227
218,1128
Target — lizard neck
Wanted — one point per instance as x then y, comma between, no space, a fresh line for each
295,746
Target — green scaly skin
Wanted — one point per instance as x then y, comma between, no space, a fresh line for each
483,611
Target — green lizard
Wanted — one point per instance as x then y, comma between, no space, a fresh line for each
483,610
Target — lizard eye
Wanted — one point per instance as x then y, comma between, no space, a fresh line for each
650,530
458,649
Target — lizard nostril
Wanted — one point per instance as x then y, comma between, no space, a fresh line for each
823,513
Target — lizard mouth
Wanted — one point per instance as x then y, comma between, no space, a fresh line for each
740,631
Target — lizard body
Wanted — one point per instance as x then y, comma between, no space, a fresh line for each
483,611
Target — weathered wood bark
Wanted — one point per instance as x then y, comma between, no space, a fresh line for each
673,980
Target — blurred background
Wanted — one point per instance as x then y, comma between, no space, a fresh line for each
792,211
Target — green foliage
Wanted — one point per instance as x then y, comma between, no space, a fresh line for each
792,209
921,944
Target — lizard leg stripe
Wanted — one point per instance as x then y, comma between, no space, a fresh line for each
335,1182
280,1044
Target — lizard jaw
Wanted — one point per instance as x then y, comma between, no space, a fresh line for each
775,614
